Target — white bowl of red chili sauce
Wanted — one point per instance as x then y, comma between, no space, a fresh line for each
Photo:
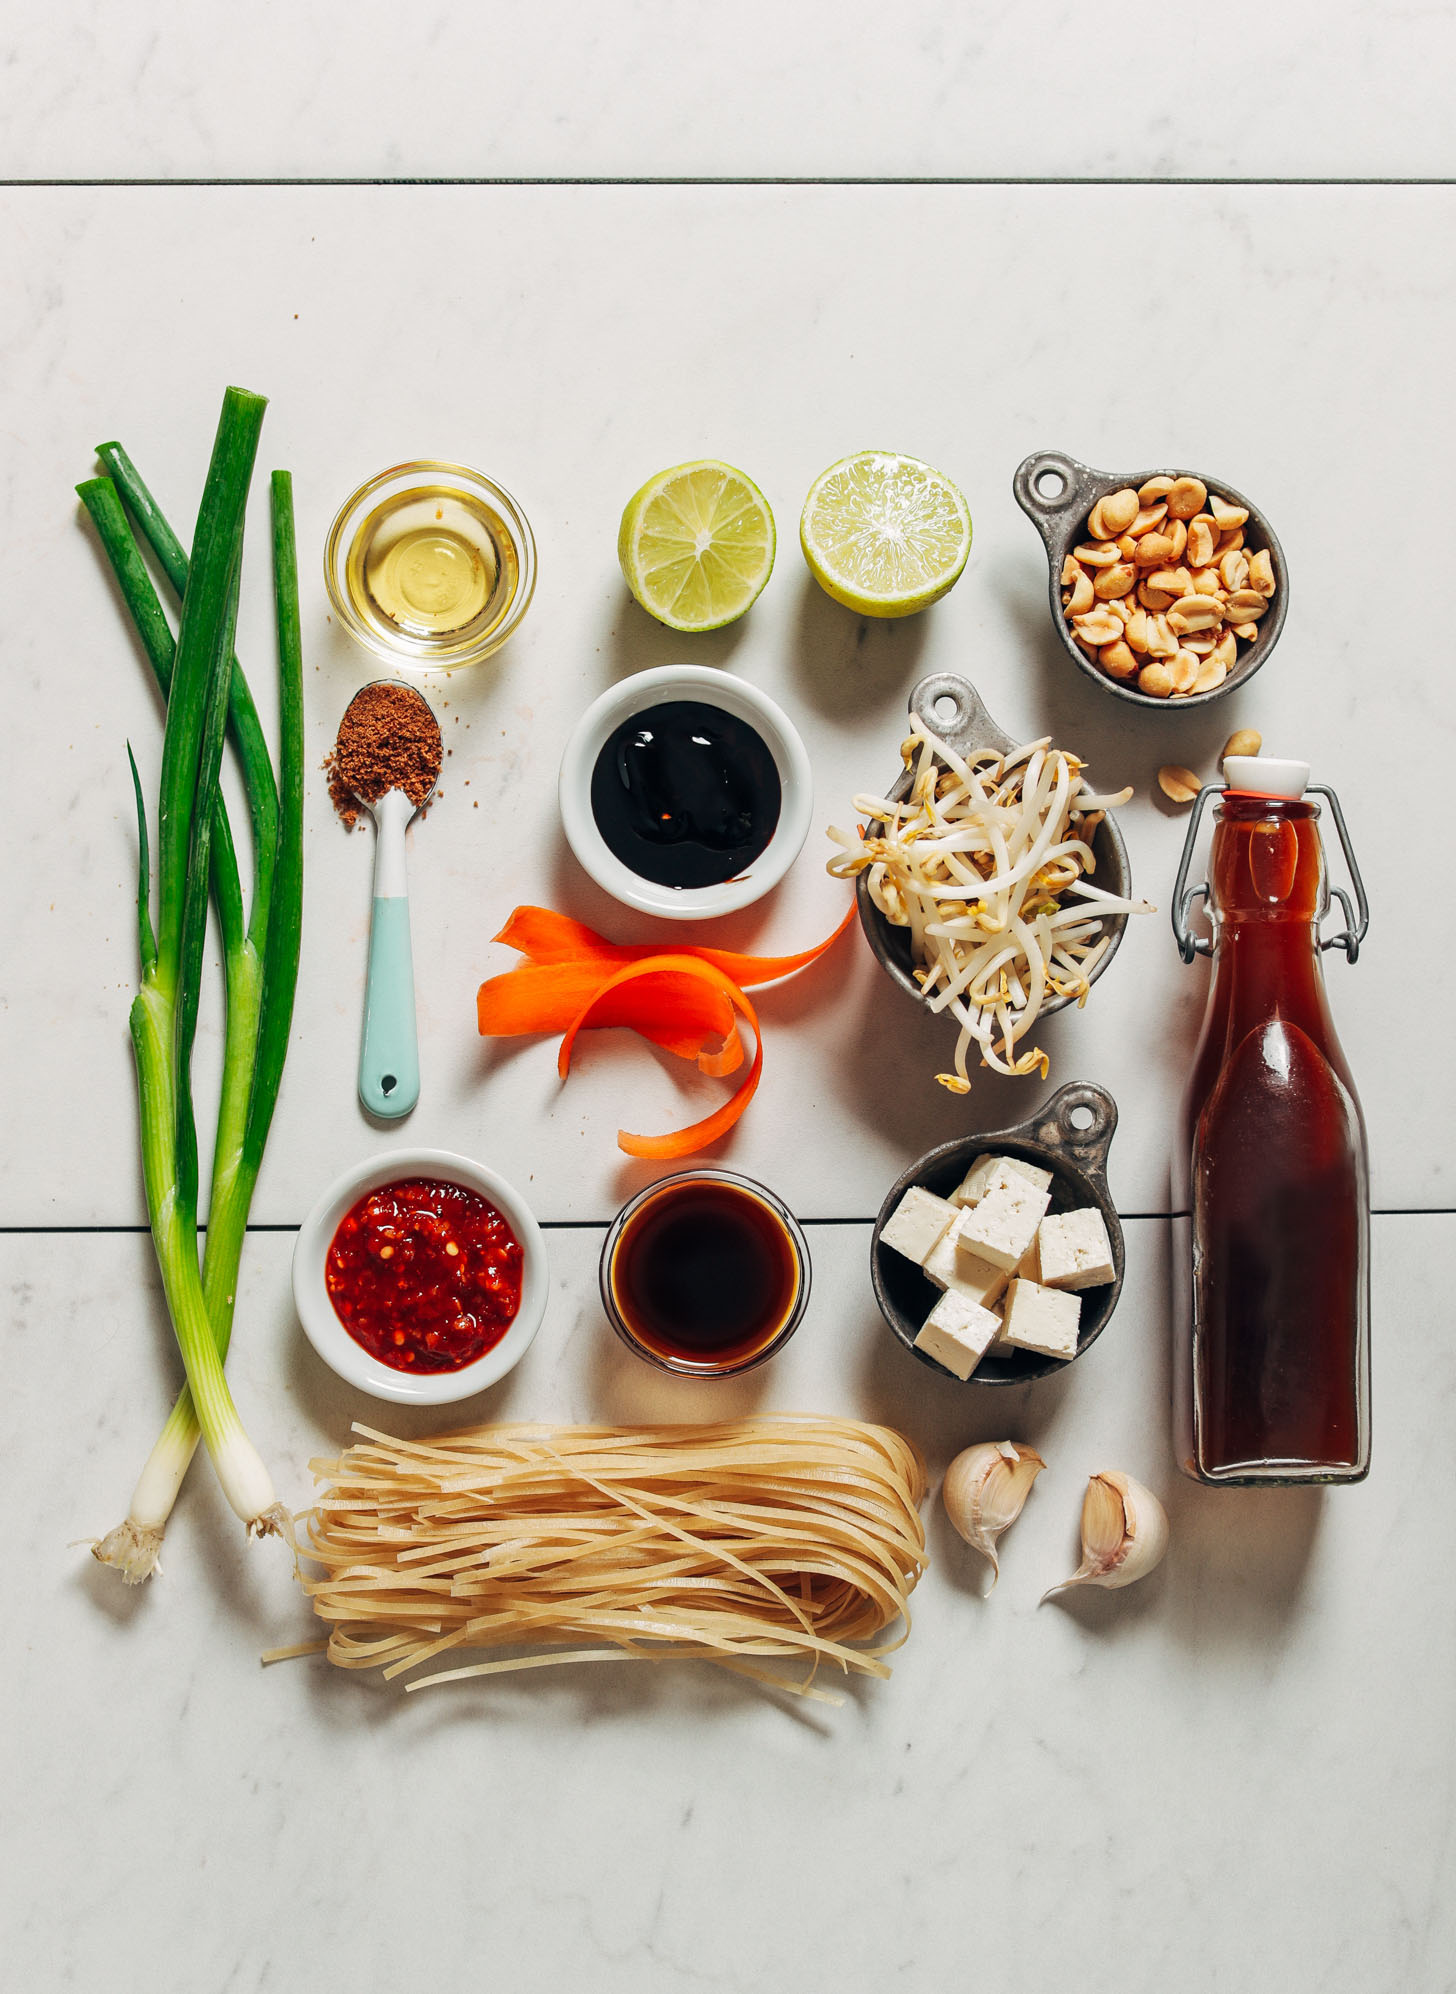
420,1276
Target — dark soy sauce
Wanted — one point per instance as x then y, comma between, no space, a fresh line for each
705,1274
685,794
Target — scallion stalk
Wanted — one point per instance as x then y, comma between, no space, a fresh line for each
204,688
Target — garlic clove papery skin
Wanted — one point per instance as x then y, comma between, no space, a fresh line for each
985,1489
1124,1533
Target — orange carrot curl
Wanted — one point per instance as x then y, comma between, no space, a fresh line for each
687,1000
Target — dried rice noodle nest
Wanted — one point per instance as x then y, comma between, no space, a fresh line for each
780,1538
987,862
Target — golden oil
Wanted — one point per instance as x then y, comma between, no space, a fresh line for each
436,564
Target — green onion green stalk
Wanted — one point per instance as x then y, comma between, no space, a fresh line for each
207,696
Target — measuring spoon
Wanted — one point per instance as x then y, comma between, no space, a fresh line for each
389,1056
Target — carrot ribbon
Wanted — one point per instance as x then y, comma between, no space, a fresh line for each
686,1000
680,1142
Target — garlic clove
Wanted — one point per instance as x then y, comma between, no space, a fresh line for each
1124,1533
985,1489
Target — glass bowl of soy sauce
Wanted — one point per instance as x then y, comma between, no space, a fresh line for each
705,1273
685,792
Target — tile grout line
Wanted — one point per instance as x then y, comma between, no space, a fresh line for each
601,1225
759,180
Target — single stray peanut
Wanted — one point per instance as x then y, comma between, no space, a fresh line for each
1247,741
1178,785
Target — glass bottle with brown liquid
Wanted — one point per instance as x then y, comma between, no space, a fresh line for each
1271,1370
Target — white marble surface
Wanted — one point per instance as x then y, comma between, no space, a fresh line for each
1238,1774
571,379
1045,87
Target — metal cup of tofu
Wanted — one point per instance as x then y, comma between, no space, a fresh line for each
1032,1243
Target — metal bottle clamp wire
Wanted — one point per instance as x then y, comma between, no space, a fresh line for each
1357,918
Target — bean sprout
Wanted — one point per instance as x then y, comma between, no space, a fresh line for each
974,862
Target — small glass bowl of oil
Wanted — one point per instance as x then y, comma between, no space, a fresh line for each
431,564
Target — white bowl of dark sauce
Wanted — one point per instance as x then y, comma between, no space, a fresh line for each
685,792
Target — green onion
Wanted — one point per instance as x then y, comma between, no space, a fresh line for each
205,688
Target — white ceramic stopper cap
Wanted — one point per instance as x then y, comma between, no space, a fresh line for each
1266,775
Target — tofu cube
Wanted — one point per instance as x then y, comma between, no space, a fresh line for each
1074,1250
1003,1225
1028,1268
965,1274
916,1223
957,1333
1041,1319
989,1173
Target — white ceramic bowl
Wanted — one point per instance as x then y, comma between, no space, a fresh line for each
333,1342
731,695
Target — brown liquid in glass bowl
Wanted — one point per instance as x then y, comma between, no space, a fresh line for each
705,1275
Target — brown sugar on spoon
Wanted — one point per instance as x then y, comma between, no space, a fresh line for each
388,739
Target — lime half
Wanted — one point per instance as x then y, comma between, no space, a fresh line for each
697,545
884,534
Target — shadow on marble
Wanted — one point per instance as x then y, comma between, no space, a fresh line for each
898,1096
1253,1551
852,669
636,642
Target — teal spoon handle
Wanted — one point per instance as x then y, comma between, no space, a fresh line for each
389,1057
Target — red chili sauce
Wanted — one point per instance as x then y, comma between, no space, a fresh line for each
425,1276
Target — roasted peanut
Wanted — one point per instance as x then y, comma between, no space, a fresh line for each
1155,490
1247,741
1227,516
1178,785
1233,570
1118,580
1201,539
1248,631
1118,660
1229,541
1153,549
1119,510
1246,606
1193,613
1071,568
1082,596
1156,679
1225,651
1099,627
1213,674
1097,554
1161,641
1177,532
1261,572
1136,631
1147,519
1187,496
1185,668
1205,581
1127,546
1202,644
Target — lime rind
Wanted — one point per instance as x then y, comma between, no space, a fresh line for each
883,534
697,545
